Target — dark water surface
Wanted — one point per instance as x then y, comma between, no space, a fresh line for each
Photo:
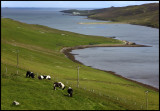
132,62
136,63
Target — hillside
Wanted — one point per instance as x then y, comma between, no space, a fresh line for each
146,14
39,51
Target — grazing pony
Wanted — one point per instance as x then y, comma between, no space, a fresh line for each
30,74
48,77
40,77
58,84
44,77
70,91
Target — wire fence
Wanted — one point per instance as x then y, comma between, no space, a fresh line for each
119,100
129,103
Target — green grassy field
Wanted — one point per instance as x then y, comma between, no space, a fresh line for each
39,51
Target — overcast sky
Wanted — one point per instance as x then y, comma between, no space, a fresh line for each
72,4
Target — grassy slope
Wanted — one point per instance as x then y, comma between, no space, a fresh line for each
39,52
146,14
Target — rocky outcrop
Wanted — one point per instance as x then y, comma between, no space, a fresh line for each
128,43
131,43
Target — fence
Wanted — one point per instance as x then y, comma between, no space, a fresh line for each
123,101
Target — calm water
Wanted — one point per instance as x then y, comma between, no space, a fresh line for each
131,62
140,64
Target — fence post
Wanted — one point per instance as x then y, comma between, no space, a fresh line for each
117,98
57,79
135,103
78,76
146,93
141,107
17,60
6,69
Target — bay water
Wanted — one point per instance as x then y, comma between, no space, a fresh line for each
137,63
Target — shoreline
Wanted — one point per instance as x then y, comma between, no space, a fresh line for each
113,22
101,23
67,50
125,23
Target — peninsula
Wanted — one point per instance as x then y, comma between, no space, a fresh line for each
146,14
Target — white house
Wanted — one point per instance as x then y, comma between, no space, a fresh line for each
76,13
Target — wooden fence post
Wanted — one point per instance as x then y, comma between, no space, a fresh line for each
78,76
17,60
6,69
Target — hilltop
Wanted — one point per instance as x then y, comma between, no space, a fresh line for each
146,14
39,50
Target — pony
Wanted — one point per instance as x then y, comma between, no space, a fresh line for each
70,91
30,74
48,77
44,77
58,84
40,77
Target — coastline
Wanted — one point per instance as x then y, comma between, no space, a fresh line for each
67,50
101,23
114,22
121,22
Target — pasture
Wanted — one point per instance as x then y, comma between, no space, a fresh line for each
40,53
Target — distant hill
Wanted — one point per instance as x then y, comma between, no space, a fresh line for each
146,14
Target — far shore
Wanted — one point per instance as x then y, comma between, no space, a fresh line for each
93,23
67,50
101,23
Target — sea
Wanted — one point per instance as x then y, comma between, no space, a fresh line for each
136,63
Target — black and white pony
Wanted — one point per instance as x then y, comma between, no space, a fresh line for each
48,77
30,74
70,91
40,77
58,84
44,77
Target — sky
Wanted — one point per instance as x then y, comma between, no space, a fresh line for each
72,4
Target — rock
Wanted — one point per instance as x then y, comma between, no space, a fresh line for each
131,43
128,43
125,42
113,37
15,103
